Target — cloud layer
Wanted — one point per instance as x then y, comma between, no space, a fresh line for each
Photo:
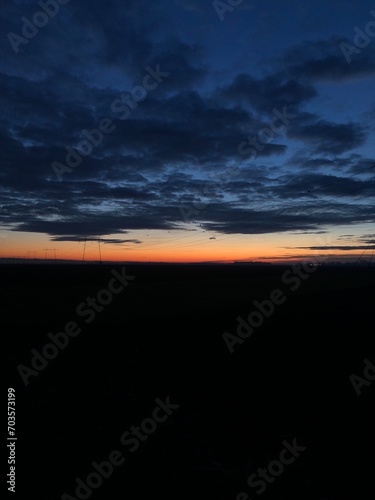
174,143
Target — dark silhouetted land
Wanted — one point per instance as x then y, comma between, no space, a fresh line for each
163,336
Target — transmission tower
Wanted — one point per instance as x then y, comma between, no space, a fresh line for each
84,250
100,252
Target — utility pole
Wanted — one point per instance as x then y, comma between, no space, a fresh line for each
46,250
100,252
368,247
84,250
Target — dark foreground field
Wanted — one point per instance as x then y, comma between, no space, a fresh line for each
231,414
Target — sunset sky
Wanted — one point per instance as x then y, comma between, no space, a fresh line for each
187,130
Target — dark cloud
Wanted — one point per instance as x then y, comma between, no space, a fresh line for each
328,137
94,226
265,94
324,60
319,186
112,241
352,163
227,218
181,138
337,247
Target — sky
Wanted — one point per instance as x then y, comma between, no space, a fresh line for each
187,130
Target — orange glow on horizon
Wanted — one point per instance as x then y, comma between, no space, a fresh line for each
185,247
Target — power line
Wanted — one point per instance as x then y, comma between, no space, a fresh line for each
46,250
369,264
276,211
365,250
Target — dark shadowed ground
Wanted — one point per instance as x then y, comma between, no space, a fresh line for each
163,336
